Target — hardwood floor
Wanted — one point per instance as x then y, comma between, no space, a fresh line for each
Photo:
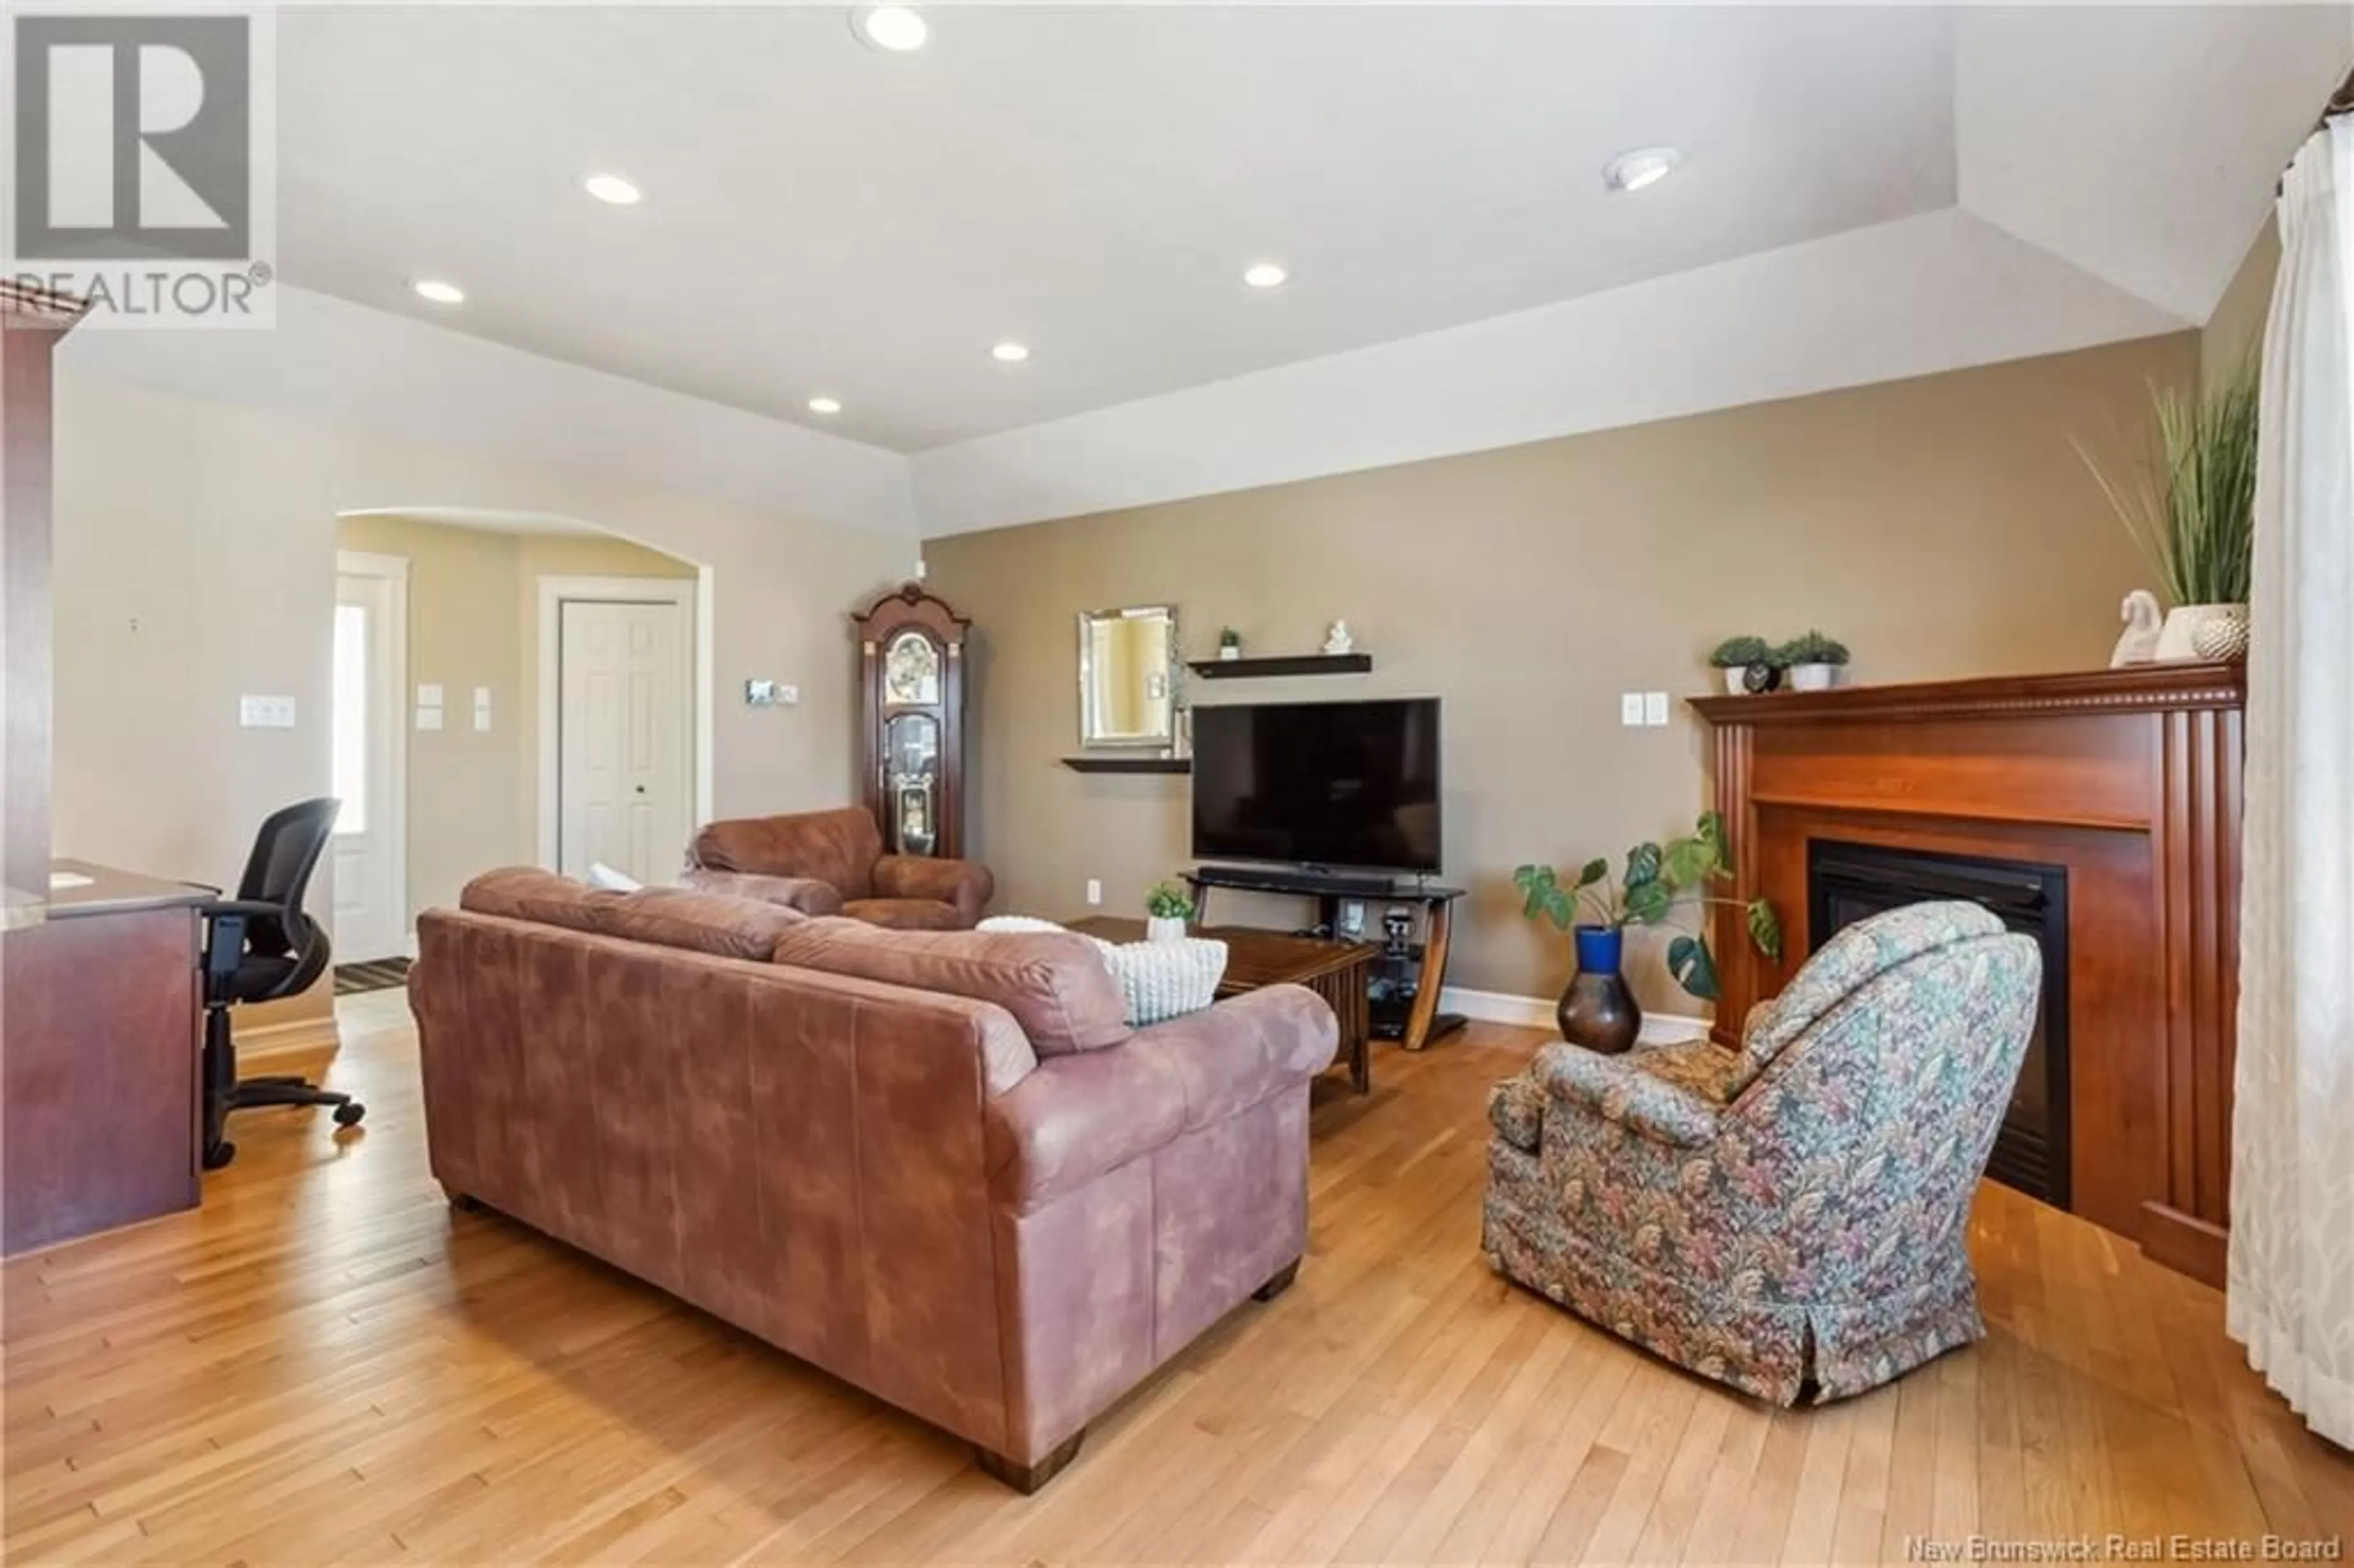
325,1364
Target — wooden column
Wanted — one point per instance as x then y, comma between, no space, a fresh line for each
2128,778
31,322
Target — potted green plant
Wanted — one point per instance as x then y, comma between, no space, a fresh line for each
2192,511
1230,643
1747,662
1813,661
1597,1010
1167,908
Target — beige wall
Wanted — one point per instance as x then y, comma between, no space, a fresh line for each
1940,526
2237,324
195,560
473,620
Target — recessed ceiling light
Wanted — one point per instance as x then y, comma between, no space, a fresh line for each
825,405
1011,352
1643,166
613,188
898,29
440,293
1266,275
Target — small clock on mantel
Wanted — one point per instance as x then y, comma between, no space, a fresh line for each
911,730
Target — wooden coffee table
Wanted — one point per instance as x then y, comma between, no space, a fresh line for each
1337,971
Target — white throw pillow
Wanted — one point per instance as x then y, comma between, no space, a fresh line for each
1158,980
1165,979
605,876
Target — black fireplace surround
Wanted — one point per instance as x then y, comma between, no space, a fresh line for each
1846,882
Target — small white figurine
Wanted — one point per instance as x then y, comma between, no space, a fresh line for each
1337,640
2139,643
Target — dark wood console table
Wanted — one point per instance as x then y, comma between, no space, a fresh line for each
1424,1022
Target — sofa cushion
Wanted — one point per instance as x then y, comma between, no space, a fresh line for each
908,914
839,847
663,916
804,894
700,922
1055,986
527,893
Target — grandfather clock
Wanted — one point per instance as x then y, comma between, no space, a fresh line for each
911,730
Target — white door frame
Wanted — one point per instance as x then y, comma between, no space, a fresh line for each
690,594
394,571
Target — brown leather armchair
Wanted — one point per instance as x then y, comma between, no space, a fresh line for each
832,862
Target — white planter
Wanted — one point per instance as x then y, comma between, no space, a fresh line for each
1229,650
1813,677
2175,638
1164,928
1733,674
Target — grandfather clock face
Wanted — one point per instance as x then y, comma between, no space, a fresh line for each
911,669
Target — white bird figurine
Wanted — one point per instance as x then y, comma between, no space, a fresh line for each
2138,645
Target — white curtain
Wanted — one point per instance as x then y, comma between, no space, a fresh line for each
2291,1293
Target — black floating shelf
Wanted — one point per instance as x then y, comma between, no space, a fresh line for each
1129,764
1299,664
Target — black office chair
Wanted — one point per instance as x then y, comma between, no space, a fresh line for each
260,945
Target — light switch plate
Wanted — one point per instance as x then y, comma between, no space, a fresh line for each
1655,708
265,712
429,697
482,696
482,720
1631,708
1095,893
428,718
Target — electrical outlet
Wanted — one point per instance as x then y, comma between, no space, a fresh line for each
1631,708
1655,708
1095,893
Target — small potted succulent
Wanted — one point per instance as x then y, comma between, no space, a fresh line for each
1748,664
1813,660
1167,907
1230,643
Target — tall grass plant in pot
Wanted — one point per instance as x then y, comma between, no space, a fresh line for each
2191,507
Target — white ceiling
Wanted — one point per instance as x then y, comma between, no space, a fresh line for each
825,217
1870,193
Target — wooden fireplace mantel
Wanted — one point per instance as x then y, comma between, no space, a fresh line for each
2128,778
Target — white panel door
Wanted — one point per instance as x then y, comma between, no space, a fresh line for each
622,790
371,915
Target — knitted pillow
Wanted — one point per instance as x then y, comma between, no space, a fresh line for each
1157,979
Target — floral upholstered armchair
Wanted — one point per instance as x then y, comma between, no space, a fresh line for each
1787,1218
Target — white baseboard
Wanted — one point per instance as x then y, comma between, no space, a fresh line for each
298,1035
1537,1013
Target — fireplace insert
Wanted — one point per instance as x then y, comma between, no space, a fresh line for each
1847,882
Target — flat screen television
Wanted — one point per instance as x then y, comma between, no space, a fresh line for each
1346,785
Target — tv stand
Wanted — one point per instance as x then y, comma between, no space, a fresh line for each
1421,1022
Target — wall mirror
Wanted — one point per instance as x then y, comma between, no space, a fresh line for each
1126,661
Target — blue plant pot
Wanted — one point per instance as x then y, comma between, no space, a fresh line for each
1598,1010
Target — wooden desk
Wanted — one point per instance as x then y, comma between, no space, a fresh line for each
99,1064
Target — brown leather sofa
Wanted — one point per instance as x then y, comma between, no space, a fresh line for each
832,862
937,1165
